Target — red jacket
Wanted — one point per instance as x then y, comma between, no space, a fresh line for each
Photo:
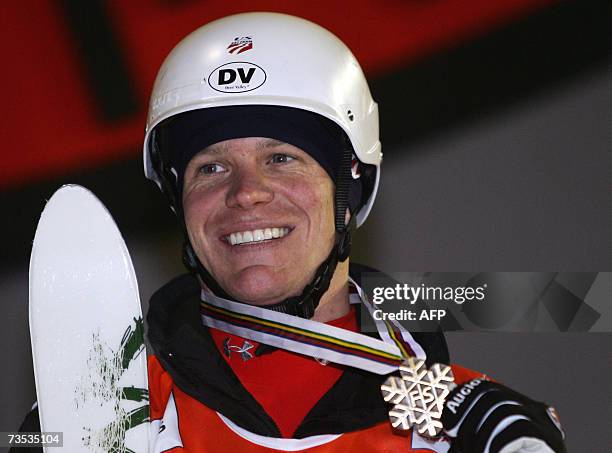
182,423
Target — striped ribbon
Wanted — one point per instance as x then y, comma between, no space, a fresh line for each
312,338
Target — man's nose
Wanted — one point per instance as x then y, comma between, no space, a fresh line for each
248,189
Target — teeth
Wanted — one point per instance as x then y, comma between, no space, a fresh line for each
245,237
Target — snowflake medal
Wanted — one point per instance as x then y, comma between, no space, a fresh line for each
418,396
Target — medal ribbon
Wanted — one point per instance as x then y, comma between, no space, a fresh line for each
308,337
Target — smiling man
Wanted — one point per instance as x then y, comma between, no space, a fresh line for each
264,136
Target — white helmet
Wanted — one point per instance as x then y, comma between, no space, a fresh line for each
268,59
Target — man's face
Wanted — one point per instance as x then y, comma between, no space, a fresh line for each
259,214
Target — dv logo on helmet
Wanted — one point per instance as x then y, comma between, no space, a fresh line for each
237,77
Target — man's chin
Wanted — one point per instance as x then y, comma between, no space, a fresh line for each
257,298
260,285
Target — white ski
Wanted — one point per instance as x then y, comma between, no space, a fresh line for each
86,329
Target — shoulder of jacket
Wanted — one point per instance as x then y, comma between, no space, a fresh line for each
179,287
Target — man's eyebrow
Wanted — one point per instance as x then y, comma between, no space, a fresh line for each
269,143
215,149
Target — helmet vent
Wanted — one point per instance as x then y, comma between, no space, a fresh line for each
350,115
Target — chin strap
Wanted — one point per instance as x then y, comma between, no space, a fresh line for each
306,303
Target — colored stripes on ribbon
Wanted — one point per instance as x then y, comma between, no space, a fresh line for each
300,335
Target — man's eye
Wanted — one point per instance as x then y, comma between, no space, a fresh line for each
211,169
281,158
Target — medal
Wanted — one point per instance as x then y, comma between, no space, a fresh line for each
418,396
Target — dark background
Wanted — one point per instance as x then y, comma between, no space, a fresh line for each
495,124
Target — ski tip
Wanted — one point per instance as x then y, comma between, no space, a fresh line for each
71,190
73,215
77,235
72,200
68,195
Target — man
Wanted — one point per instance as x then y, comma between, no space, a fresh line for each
263,135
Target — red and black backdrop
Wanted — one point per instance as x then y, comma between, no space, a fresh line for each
77,77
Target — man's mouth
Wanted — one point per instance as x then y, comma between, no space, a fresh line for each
253,236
